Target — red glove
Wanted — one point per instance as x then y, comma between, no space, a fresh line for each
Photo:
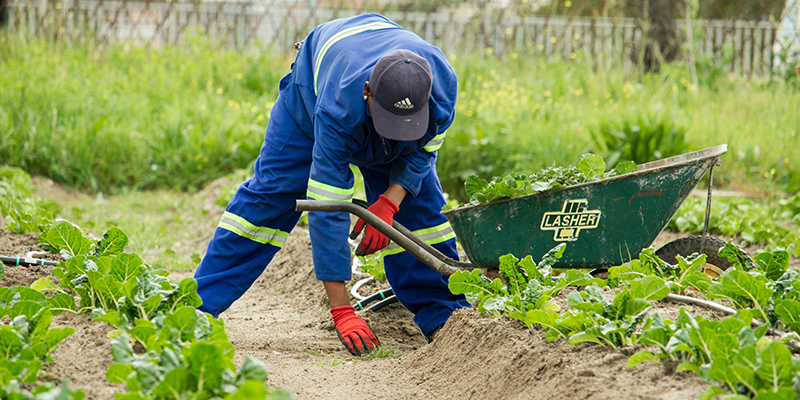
373,240
353,331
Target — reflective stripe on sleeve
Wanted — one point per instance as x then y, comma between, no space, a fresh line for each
321,191
342,35
435,143
434,235
260,234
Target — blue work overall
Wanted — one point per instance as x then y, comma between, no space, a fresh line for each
318,127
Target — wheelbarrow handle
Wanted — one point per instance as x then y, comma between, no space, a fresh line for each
397,233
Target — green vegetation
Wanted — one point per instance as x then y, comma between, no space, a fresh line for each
20,208
738,359
774,224
591,168
178,117
135,117
26,342
186,350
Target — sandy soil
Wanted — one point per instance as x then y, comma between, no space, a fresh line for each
283,320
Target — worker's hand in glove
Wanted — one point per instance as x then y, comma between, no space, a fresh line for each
353,331
373,240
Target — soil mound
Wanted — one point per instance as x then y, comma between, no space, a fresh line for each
479,357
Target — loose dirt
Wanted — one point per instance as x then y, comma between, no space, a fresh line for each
283,320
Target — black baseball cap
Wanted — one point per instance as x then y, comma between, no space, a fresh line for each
401,86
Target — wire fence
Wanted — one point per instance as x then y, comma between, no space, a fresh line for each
747,48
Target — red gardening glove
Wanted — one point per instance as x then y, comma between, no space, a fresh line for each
373,240
353,331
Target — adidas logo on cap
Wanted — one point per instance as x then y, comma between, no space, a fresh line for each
404,104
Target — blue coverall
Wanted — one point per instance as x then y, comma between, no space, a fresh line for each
318,127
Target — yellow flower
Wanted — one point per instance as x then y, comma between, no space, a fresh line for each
552,39
573,56
568,4
541,47
259,117
489,51
219,90
514,55
508,31
576,35
546,93
253,109
238,76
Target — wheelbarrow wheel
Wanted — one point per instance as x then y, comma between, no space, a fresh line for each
714,266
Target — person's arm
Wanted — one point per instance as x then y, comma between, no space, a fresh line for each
331,179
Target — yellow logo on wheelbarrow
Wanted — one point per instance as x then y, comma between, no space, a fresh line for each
568,222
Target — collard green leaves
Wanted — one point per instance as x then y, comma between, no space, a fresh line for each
590,168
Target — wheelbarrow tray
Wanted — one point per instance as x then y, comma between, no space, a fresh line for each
604,223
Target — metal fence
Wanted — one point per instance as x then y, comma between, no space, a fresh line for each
742,47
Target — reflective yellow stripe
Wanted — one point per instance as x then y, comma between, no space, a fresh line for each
435,143
244,228
434,235
342,35
320,191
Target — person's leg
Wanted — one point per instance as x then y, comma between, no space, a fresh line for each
259,217
421,289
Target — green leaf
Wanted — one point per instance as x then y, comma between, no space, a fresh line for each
474,184
711,392
651,288
62,302
252,369
119,372
113,243
784,393
625,167
640,356
773,264
592,165
581,337
740,259
688,366
184,320
251,389
789,313
515,280
176,382
776,364
44,284
65,236
206,362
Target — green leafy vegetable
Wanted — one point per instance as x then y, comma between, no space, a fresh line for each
590,168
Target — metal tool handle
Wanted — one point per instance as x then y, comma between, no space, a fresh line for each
397,233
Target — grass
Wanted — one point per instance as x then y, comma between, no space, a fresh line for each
173,117
178,117
169,229
382,352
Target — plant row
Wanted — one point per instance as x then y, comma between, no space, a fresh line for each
739,360
777,224
164,348
26,342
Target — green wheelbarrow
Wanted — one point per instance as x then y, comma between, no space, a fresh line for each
604,223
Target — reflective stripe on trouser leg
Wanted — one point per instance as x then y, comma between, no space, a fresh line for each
422,290
259,217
